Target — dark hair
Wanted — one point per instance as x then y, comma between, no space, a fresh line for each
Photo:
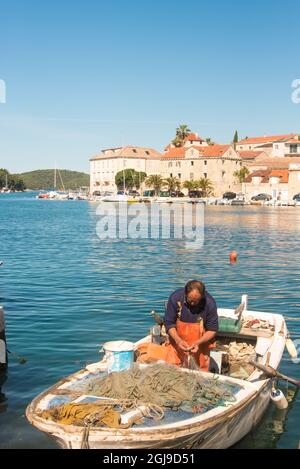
195,285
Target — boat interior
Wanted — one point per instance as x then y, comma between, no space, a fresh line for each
252,339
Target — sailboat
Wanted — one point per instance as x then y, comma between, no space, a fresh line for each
5,189
54,194
121,195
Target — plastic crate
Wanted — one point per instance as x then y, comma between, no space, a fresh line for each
229,325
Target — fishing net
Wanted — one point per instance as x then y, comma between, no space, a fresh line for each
165,386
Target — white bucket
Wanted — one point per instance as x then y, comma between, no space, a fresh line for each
119,355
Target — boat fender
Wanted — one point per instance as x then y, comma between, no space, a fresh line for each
279,399
291,348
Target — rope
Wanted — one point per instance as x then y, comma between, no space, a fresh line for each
85,438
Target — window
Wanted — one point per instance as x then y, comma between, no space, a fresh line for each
171,175
276,147
293,148
134,150
170,164
147,152
223,174
192,163
222,161
179,175
191,176
205,162
205,175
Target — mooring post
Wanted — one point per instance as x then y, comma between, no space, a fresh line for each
3,349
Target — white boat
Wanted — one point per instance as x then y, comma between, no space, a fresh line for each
219,427
119,198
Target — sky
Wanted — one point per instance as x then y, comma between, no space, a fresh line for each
81,76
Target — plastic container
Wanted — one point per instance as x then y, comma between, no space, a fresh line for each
229,325
119,355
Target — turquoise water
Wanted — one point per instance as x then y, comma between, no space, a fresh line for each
65,293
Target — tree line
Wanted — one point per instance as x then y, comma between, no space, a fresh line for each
10,182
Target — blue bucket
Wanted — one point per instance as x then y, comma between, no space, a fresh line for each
119,355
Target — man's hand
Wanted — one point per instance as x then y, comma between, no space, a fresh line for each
194,348
183,345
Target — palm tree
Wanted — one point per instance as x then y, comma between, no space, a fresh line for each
172,183
155,181
178,185
206,186
190,185
241,174
181,132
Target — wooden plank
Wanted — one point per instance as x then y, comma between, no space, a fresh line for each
247,332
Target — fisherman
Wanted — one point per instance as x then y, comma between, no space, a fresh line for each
191,322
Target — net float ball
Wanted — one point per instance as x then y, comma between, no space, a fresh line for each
233,256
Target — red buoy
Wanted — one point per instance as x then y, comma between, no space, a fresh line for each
233,257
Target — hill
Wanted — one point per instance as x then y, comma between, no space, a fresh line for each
44,179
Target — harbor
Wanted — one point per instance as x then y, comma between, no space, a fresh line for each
109,293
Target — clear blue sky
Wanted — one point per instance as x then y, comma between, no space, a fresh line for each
85,75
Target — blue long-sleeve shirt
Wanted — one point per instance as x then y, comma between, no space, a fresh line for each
206,309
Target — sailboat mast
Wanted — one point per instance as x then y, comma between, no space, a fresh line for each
55,175
123,177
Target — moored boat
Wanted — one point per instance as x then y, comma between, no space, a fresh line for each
265,334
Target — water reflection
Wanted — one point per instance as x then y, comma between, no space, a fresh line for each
272,426
3,399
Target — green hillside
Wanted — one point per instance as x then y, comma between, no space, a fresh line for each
44,179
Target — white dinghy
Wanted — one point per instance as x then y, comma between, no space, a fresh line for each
265,334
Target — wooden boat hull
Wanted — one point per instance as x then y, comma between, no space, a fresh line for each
217,429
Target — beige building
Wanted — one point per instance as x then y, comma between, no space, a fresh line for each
294,179
281,184
105,165
273,182
276,146
196,159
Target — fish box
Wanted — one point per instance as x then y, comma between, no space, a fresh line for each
229,324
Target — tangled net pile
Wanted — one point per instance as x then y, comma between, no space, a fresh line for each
157,388
165,386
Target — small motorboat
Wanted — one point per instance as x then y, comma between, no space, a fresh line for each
263,334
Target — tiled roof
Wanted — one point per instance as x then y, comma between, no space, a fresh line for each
209,151
266,174
249,155
265,139
283,174
128,152
193,138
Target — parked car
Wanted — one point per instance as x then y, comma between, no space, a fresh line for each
296,197
177,194
229,195
149,193
134,193
195,194
261,197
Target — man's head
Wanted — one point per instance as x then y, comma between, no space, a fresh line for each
194,292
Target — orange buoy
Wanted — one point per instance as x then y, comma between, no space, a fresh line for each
233,257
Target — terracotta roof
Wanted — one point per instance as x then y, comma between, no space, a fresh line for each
215,150
129,151
249,155
193,138
266,139
206,152
175,153
266,174
277,163
283,174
